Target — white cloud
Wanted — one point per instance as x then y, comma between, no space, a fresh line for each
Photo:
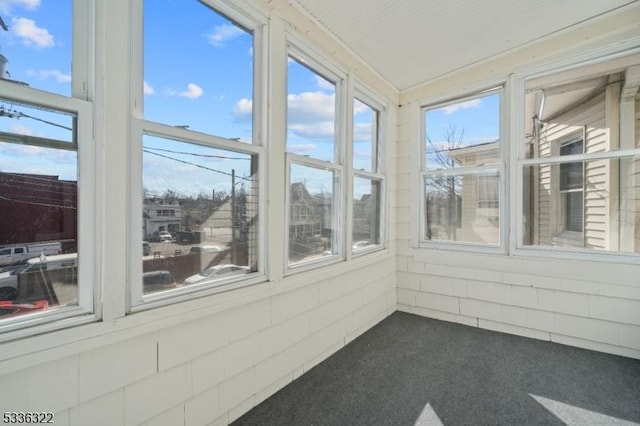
31,34
7,5
243,109
360,107
302,149
193,91
57,75
362,132
20,129
223,33
325,129
311,107
147,89
323,84
311,114
450,109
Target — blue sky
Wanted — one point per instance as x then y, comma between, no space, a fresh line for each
198,69
477,120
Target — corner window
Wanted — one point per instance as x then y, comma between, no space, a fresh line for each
581,158
314,162
200,150
368,178
461,171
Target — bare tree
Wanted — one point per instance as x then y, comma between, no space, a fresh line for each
443,203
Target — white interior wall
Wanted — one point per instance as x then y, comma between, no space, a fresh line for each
585,303
212,358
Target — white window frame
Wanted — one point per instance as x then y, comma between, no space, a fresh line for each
553,72
256,22
379,137
499,168
317,63
79,103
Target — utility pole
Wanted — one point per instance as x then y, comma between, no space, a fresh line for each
233,216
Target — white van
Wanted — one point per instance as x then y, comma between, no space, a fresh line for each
17,253
9,278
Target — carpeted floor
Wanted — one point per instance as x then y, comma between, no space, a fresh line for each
410,370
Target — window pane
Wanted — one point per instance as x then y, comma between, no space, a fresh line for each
365,137
366,212
602,215
311,106
463,208
463,134
312,218
39,203
36,48
198,69
200,214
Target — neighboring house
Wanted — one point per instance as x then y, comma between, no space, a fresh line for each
305,221
159,215
569,204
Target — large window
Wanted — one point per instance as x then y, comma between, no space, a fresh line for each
46,165
580,161
461,170
200,155
314,161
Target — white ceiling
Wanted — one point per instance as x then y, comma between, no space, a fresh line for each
412,41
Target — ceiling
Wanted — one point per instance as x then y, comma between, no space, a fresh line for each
413,41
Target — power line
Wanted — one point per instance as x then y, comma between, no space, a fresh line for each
37,204
195,165
199,155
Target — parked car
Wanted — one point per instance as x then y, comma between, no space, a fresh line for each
361,244
18,253
157,280
218,271
47,264
203,248
164,236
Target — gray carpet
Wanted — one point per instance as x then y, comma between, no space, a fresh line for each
410,370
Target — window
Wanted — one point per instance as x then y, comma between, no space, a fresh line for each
580,161
461,170
200,150
367,174
48,166
314,161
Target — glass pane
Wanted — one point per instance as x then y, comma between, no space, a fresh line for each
198,69
36,46
366,212
39,203
463,134
312,218
604,215
200,214
583,103
365,137
464,208
311,106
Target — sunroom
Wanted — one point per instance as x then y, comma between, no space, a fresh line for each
203,200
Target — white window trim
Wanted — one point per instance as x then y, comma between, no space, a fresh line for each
253,19
307,55
88,293
604,60
362,94
337,213
492,87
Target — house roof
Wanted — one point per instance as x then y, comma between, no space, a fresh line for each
414,41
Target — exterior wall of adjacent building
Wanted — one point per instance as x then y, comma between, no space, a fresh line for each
576,300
